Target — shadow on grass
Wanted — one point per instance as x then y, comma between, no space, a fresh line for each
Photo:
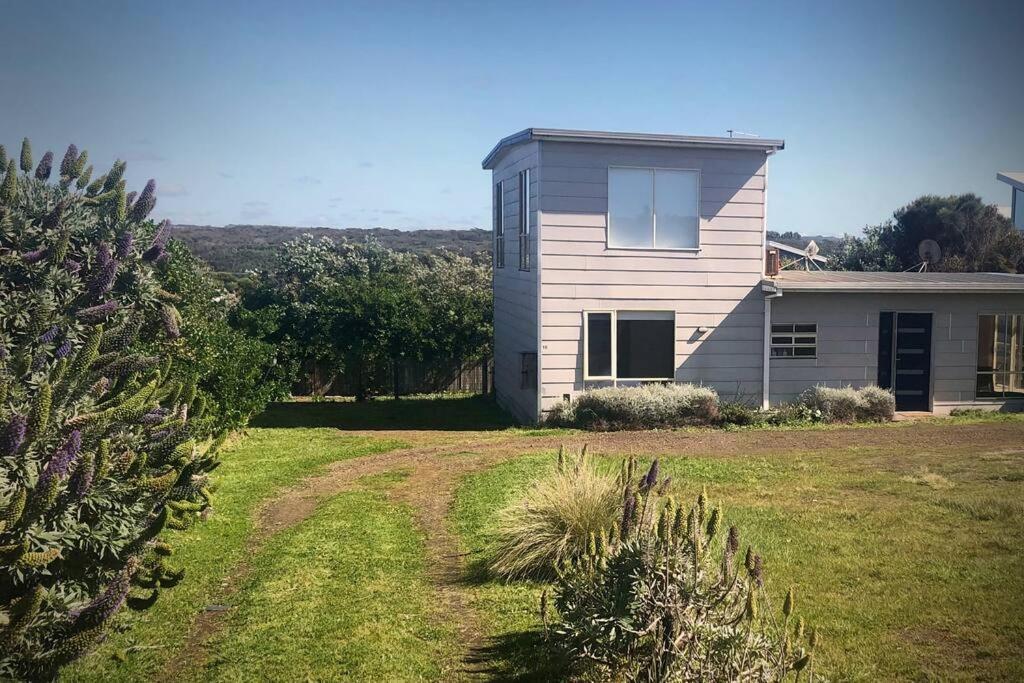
520,656
455,413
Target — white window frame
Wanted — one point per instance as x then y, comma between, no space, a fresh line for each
793,334
587,377
1004,396
654,215
524,220
499,225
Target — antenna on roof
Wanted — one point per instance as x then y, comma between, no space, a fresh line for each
929,252
733,133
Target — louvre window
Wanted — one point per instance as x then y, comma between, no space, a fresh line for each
794,340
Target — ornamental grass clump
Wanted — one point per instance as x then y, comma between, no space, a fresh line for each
99,443
648,406
555,520
670,597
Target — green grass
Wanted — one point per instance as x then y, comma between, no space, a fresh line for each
907,577
260,464
342,596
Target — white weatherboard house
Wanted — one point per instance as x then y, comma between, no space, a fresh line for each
622,258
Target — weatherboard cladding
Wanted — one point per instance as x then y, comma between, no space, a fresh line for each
515,291
847,347
717,288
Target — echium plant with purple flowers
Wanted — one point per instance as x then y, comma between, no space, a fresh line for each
666,595
99,431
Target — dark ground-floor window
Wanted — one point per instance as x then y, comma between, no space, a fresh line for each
642,346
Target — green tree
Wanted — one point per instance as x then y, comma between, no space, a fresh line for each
98,444
972,235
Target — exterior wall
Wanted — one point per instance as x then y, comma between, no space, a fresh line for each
717,288
848,341
515,291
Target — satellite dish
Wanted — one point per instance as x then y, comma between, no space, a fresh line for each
929,251
812,249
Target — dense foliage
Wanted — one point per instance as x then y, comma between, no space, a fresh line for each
368,311
235,374
664,596
98,443
239,248
555,519
972,235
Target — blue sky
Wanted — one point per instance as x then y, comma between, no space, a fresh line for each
378,113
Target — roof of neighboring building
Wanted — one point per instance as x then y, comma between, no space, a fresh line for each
649,139
1015,178
796,251
923,283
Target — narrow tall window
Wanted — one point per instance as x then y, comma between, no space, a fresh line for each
524,220
528,371
499,224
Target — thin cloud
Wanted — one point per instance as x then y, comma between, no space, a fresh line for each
229,176
365,164
144,155
172,190
307,180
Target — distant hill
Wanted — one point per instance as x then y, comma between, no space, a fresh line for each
237,248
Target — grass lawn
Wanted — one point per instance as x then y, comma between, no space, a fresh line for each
909,563
341,595
905,544
252,469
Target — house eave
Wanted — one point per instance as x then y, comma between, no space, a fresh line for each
766,145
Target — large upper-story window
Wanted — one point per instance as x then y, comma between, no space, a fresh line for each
653,208
1000,356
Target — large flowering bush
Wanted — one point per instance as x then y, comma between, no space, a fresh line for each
98,446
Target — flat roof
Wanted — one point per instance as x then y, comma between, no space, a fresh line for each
1015,178
649,139
924,283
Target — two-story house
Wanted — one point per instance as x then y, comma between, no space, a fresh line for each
623,258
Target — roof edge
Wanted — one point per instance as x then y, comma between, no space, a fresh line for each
767,145
1012,178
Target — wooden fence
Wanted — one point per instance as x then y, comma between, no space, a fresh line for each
412,378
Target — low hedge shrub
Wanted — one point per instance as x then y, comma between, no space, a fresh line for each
846,404
657,406
649,406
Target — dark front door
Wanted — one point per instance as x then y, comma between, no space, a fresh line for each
911,359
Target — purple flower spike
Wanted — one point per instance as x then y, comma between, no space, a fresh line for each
49,335
628,513
62,459
145,202
95,314
81,482
67,166
102,255
652,475
63,350
13,435
39,362
44,167
72,266
106,603
124,243
104,278
34,256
